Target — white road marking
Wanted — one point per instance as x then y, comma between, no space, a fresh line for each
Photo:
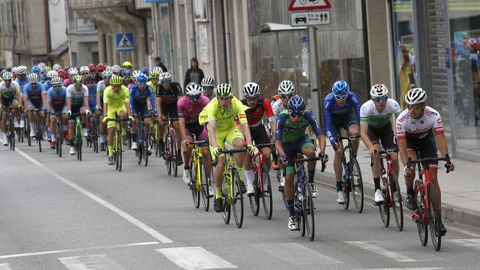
75,250
155,234
195,258
475,243
5,266
296,254
381,251
469,233
91,262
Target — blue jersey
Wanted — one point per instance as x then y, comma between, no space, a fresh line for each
21,84
92,97
47,84
138,98
289,132
34,94
57,99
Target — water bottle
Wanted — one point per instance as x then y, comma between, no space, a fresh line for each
346,175
300,189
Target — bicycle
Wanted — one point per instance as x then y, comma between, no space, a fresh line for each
154,137
427,213
118,142
262,184
11,129
77,138
198,177
59,135
232,189
303,200
142,141
39,128
92,140
170,151
391,190
352,178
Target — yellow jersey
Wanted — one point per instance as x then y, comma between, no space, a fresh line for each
225,119
116,99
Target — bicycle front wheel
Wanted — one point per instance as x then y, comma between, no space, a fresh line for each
435,218
397,201
195,184
384,209
237,205
174,157
168,155
357,185
309,213
267,193
420,200
204,190
255,197
11,136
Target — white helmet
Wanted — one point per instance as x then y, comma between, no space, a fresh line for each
84,69
42,66
56,67
286,87
21,70
251,90
193,89
52,73
32,78
116,69
72,72
56,80
378,90
208,82
136,73
7,76
165,76
415,96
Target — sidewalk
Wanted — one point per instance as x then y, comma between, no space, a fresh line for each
460,188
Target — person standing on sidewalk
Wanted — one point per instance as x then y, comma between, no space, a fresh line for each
418,127
158,63
194,73
376,127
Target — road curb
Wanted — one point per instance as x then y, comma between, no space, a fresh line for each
449,212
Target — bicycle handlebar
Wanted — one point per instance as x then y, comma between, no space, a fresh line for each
350,138
234,151
199,142
383,153
264,145
310,159
411,161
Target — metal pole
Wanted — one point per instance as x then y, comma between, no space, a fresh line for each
315,105
14,33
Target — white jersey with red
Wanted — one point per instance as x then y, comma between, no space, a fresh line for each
407,126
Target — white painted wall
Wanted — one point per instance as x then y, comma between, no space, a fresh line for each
57,20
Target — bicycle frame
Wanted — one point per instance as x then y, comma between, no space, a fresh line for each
228,174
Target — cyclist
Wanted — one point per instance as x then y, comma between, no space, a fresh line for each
127,65
189,107
84,70
257,108
32,96
222,114
127,78
418,127
140,95
154,81
10,96
101,85
342,110
56,103
116,69
91,83
21,77
290,140
208,85
71,73
77,102
167,98
376,127
116,100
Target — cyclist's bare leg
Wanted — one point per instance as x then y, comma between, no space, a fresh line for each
267,155
219,171
354,130
111,134
289,190
4,121
147,122
376,163
53,124
71,129
434,180
177,135
409,179
208,161
85,119
123,115
396,168
240,157
337,162
187,153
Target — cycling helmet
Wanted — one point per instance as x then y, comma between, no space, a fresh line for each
21,70
32,78
224,90
101,67
141,78
165,77
77,80
90,78
92,68
378,90
127,64
109,68
56,80
56,67
42,66
155,72
84,69
136,73
72,72
107,74
47,69
251,90
63,74
36,69
126,73
193,89
116,80
7,76
296,105
144,70
340,88
207,81
415,96
116,69
286,87
51,74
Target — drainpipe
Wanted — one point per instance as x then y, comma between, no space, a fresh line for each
226,42
48,44
145,31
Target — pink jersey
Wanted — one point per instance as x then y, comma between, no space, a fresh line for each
189,111
419,128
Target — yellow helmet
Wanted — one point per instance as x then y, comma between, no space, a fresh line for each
116,80
127,64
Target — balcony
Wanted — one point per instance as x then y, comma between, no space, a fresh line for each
95,4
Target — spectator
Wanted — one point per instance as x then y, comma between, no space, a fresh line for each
158,63
194,73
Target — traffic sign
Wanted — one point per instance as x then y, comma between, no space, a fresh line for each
124,42
298,5
309,18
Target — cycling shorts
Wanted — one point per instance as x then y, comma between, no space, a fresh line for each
426,147
259,135
229,136
75,110
143,110
344,122
292,149
199,131
32,106
60,110
170,110
384,135
111,114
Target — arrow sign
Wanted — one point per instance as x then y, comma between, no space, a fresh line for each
297,5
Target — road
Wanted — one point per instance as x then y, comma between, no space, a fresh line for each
64,214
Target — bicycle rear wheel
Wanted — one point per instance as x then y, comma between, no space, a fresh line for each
78,144
435,218
27,131
397,201
255,197
95,135
145,149
175,157
195,186
11,136
168,155
39,133
237,205
309,213
267,193
204,189
420,200
139,151
357,185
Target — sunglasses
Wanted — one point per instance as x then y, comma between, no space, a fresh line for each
141,84
7,81
90,82
224,98
379,99
286,96
194,97
341,97
415,107
295,114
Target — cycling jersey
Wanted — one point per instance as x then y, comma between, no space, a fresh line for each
101,85
409,127
138,100
154,87
277,107
225,118
116,99
189,111
376,119
34,95
337,116
9,93
77,96
171,95
255,115
21,83
289,132
47,84
58,100
92,97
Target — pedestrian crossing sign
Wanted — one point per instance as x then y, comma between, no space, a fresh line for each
124,42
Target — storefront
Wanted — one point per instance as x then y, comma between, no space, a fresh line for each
450,69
